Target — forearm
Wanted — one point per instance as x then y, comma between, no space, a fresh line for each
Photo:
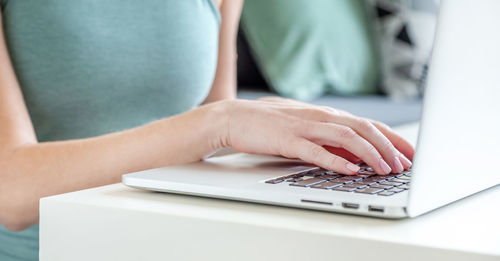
30,172
224,84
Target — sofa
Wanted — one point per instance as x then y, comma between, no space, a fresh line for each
251,85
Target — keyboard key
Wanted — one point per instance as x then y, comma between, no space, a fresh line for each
367,172
330,177
274,181
405,186
376,178
396,190
386,193
296,176
286,178
348,179
391,183
367,182
369,190
346,189
356,185
308,182
325,178
327,185
344,181
381,186
316,172
404,181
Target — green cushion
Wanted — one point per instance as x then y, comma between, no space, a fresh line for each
308,48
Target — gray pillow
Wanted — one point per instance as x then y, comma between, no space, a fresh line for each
405,31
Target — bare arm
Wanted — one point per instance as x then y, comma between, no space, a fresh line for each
30,170
224,85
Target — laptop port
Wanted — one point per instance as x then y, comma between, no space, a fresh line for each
376,209
350,205
316,202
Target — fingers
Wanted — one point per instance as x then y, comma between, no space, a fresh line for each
342,136
315,154
363,128
394,149
399,142
372,134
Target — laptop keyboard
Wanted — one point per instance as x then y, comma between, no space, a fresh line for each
366,182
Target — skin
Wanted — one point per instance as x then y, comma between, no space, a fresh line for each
30,170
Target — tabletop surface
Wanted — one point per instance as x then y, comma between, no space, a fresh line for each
469,225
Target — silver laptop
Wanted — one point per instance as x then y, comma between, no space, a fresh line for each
458,140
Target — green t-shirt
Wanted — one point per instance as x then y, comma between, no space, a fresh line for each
92,67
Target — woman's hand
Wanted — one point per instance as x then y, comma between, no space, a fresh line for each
292,129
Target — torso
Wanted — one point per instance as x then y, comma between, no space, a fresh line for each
92,67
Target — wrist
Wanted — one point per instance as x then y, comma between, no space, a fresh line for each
216,124
198,133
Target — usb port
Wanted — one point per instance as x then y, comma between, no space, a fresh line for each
350,205
376,209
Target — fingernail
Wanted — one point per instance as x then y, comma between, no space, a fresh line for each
352,167
385,168
406,162
398,167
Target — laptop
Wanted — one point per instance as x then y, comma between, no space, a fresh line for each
457,146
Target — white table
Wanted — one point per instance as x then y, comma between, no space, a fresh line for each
120,223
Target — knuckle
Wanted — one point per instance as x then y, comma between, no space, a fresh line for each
334,161
329,110
365,125
285,147
299,126
347,133
370,153
310,110
344,113
388,147
324,108
372,149
315,152
373,153
323,114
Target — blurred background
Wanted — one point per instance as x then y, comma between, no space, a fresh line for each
369,57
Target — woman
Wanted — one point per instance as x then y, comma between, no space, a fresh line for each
90,90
